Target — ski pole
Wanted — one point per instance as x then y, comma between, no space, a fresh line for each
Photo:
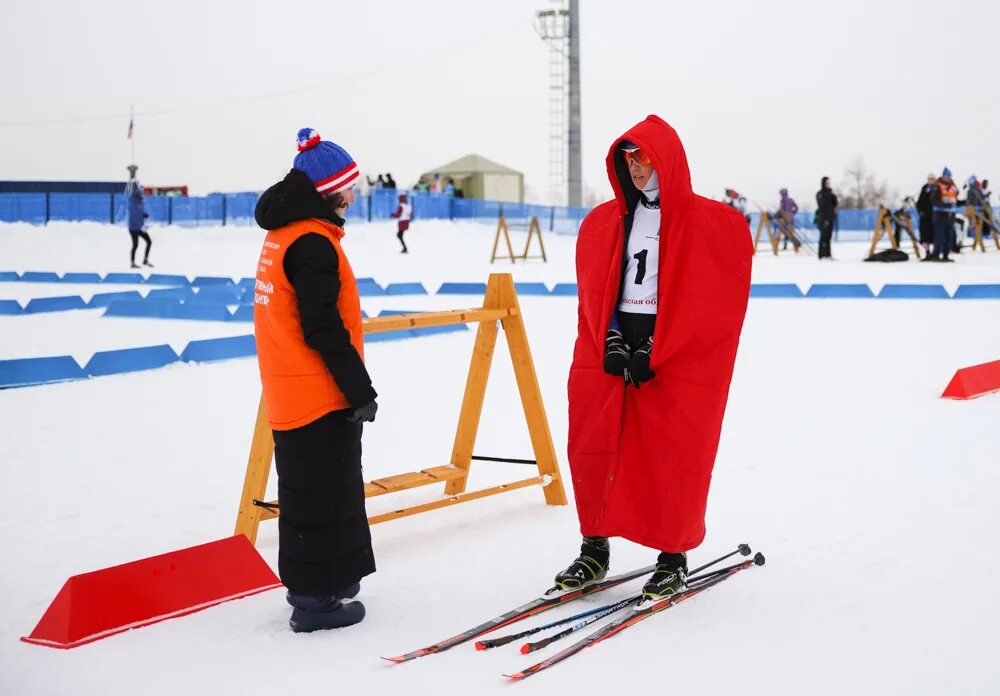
743,549
503,640
532,647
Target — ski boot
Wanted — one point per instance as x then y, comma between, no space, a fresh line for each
318,614
591,566
669,579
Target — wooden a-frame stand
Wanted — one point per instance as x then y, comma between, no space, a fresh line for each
534,231
762,226
500,309
883,227
982,222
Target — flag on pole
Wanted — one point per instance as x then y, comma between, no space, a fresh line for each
130,124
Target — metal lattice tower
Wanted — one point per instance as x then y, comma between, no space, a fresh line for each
553,27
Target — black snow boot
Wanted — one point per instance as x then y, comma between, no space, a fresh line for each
669,578
591,566
318,614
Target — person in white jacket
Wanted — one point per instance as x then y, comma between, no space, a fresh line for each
403,215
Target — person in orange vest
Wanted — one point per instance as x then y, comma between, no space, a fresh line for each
317,391
944,199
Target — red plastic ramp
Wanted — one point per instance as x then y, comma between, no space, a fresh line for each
109,601
970,382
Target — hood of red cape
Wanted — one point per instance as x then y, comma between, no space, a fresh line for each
642,459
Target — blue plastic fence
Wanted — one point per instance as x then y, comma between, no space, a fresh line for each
237,209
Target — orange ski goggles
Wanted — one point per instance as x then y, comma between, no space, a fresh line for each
638,155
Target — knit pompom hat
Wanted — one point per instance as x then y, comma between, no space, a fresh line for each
326,164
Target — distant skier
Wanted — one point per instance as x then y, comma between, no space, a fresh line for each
787,210
403,215
310,347
826,214
925,211
137,216
664,278
944,198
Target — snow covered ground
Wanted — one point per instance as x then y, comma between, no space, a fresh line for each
875,502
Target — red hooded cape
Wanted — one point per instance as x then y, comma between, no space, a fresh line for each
642,459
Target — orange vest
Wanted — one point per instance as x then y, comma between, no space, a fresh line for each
298,387
949,194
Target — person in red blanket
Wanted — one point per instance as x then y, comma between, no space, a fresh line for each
403,214
663,278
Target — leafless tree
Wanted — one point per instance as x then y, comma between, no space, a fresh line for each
860,188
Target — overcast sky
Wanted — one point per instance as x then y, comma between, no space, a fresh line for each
764,94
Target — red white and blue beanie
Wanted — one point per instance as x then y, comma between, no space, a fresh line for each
326,164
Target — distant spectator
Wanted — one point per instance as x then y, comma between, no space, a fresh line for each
986,191
459,193
944,198
975,197
136,222
449,187
787,209
925,212
737,202
826,213
403,215
437,186
422,184
390,183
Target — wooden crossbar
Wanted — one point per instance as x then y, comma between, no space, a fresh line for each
500,309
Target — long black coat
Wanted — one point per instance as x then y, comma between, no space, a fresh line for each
925,210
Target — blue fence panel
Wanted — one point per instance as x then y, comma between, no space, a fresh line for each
193,212
9,307
115,362
81,278
54,304
430,206
567,220
167,279
405,289
27,371
204,281
179,294
473,208
23,207
775,290
978,292
914,292
240,207
462,289
213,349
836,290
103,299
564,290
94,207
217,294
243,313
9,276
40,277
531,289
369,288
124,278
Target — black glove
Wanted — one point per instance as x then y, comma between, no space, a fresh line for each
638,365
615,353
365,414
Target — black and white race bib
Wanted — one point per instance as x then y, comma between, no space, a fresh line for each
639,283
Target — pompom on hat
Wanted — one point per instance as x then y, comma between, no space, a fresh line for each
326,164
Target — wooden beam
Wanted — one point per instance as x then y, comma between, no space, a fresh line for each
419,320
456,499
255,482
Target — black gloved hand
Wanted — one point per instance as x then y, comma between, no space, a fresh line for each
615,353
365,414
638,365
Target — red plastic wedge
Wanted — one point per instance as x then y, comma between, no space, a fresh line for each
970,382
109,601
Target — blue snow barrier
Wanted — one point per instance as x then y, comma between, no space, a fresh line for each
9,307
216,294
168,279
204,281
247,283
103,299
54,304
978,292
775,290
132,278
564,289
9,275
369,288
835,290
143,309
199,312
81,278
405,289
248,296
115,362
914,292
40,277
182,294
243,313
531,289
462,289
220,349
27,371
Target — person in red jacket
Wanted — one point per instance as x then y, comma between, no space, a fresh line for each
403,214
664,278
318,394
